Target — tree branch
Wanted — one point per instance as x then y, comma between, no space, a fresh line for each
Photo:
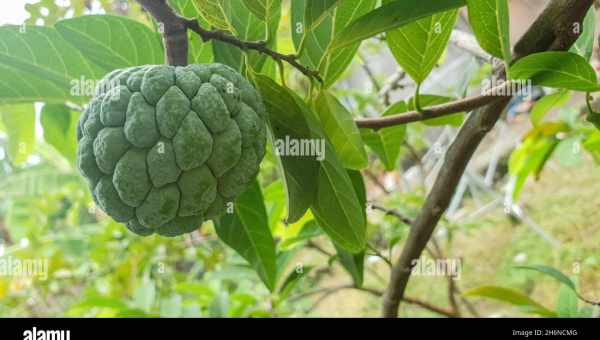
173,29
551,31
461,105
259,46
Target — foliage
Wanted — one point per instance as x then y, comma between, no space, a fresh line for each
302,57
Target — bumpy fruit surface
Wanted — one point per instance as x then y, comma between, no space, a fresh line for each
164,148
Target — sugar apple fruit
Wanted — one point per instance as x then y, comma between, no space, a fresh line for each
164,148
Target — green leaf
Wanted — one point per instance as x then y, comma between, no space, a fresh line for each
341,130
546,104
287,122
353,264
490,22
418,46
511,296
292,280
337,60
263,9
568,151
216,13
552,272
37,64
530,157
247,232
309,230
584,46
19,121
387,142
311,44
567,303
336,206
246,26
556,69
391,16
112,41
59,124
316,10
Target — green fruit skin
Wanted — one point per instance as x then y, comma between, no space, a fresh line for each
164,148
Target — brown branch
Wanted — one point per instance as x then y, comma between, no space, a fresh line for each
259,46
375,292
551,31
467,104
393,212
173,29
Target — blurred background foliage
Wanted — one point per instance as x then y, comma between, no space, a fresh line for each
97,268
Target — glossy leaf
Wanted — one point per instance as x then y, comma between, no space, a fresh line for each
287,122
337,60
247,232
490,22
112,41
391,16
557,69
311,44
336,206
418,46
316,10
341,130
37,64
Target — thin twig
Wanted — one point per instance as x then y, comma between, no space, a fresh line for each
393,212
259,46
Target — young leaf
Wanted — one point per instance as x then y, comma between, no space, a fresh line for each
19,121
391,16
531,156
418,46
112,41
37,64
584,46
511,296
557,69
341,130
59,124
288,123
490,22
247,232
547,103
